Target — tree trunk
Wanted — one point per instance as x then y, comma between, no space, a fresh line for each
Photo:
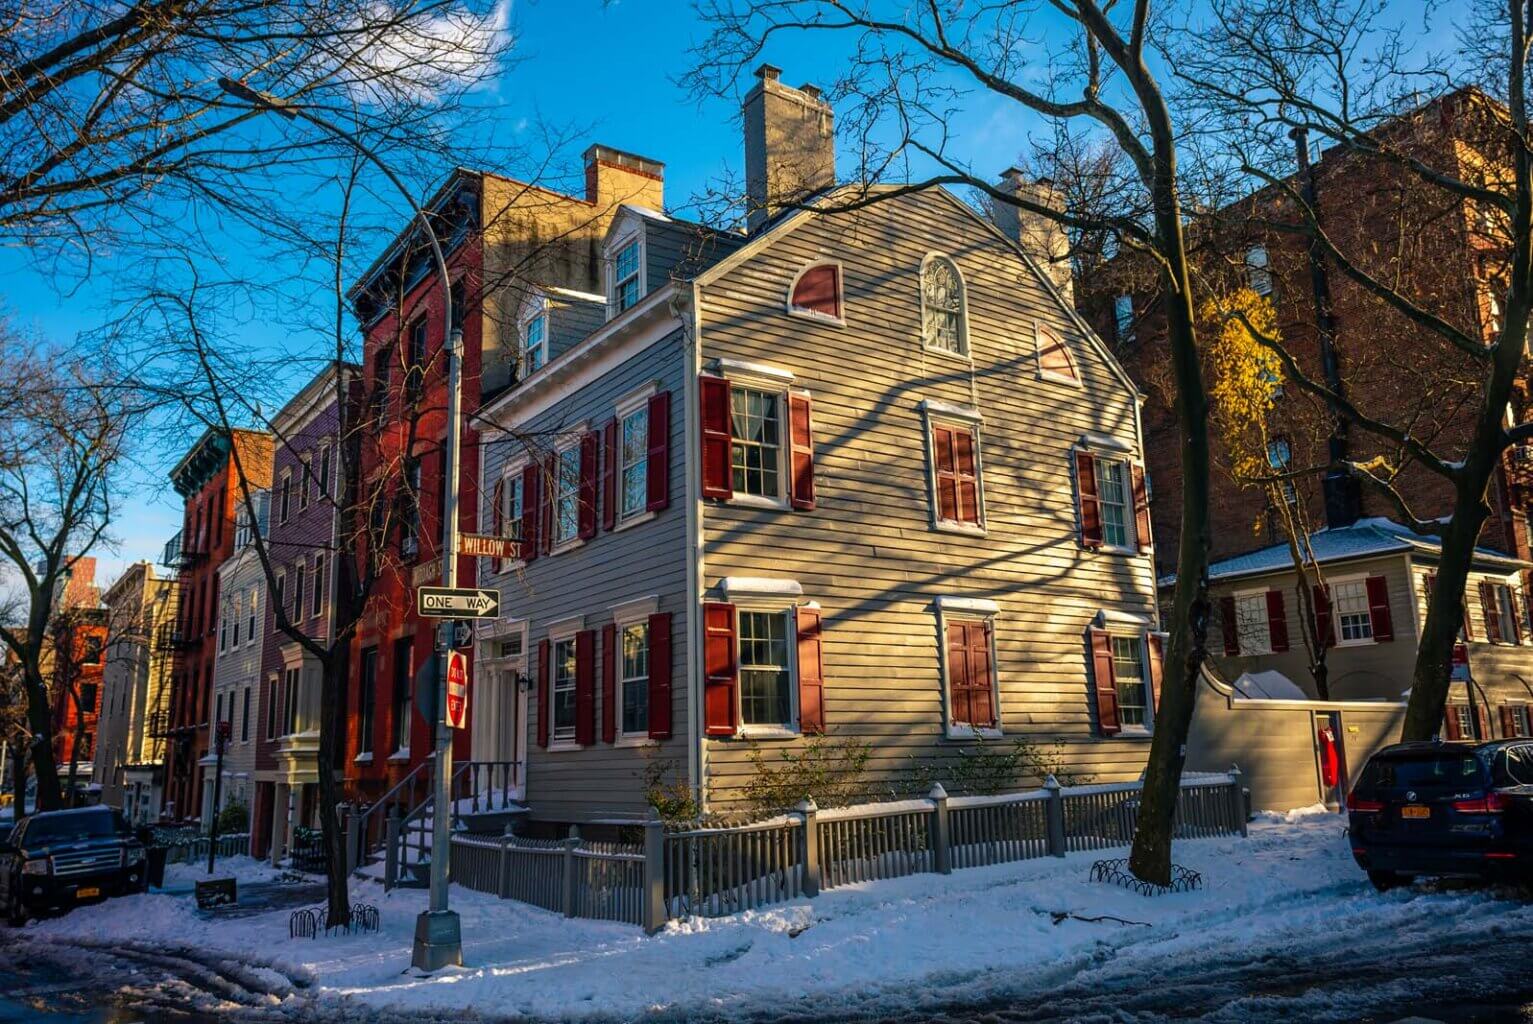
1445,614
331,733
1186,648
40,723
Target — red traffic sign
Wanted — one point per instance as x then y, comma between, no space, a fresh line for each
457,689
482,545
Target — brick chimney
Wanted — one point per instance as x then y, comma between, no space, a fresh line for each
790,146
1041,237
614,177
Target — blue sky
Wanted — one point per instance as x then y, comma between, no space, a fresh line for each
610,66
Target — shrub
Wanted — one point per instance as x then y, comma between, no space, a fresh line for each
235,817
831,771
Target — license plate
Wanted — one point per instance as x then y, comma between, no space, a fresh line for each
1415,811
87,893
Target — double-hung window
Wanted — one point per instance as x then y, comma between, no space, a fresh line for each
633,678
245,717
250,614
1520,720
415,362
403,679
627,288
285,496
514,498
305,478
755,452
367,692
563,690
1280,460
1128,673
317,587
1349,601
1500,610
567,496
534,344
409,500
297,615
322,483
1258,273
633,463
1252,623
292,680
766,694
1123,318
1116,502
942,306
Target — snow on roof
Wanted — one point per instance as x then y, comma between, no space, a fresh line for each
570,293
1374,536
1267,685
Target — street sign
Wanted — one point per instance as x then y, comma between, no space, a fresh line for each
457,602
481,545
457,689
425,688
454,634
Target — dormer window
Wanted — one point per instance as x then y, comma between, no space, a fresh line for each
625,287
943,316
816,292
534,344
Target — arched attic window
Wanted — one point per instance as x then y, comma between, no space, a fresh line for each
816,291
1054,359
943,314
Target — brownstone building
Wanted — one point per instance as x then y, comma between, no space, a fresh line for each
1441,251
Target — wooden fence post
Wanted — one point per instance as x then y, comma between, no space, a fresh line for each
353,839
654,911
809,847
503,878
942,843
391,848
1240,800
570,846
1055,813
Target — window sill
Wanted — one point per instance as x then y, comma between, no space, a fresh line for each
758,501
365,758
1055,378
1252,654
567,545
942,353
637,740
636,519
816,316
1134,732
959,528
562,746
1114,549
767,732
956,731
1366,642
400,755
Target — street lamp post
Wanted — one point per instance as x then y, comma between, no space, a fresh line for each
438,933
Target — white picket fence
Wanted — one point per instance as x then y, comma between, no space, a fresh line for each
711,872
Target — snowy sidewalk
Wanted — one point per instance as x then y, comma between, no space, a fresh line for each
922,940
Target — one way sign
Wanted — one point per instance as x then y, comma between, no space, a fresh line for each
457,602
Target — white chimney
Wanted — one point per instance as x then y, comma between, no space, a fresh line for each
1040,236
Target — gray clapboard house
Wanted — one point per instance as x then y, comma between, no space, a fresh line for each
852,474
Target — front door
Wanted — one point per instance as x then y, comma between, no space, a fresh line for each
498,714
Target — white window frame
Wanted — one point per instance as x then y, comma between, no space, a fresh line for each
633,235
1465,717
284,495
1258,268
934,414
788,612
766,386
238,607
322,481
1506,613
305,479
1039,330
250,615
280,575
965,350
1524,720
814,314
1123,326
1130,521
1143,639
967,609
317,585
624,616
629,405
570,443
510,473
1265,647
563,631
1336,630
536,309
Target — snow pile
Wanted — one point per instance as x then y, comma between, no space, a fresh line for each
1296,815
1269,684
919,943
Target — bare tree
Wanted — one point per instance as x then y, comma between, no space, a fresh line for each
62,436
1092,77
1444,135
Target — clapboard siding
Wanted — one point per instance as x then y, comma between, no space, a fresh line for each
570,321
603,780
867,553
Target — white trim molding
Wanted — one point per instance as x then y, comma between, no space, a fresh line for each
759,586
747,371
933,407
966,605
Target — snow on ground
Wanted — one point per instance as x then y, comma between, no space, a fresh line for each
1291,889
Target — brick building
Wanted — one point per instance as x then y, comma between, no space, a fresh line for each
507,243
209,483
77,637
1433,246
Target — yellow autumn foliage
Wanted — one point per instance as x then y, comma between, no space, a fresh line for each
1245,377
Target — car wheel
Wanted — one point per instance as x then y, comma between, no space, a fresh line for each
1384,881
16,914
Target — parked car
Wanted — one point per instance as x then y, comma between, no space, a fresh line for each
1444,809
58,859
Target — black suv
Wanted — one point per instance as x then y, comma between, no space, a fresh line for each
1444,809
61,858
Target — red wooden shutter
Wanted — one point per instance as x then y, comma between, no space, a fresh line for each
1508,722
1488,609
498,517
946,473
585,687
1451,727
1157,667
1323,630
720,673
550,494
660,676
713,412
1378,609
531,507
1106,684
590,452
1277,622
1142,509
1482,718
981,676
543,694
1090,507
1229,625
959,684
608,683
801,451
611,462
658,468
1511,596
966,467
811,673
